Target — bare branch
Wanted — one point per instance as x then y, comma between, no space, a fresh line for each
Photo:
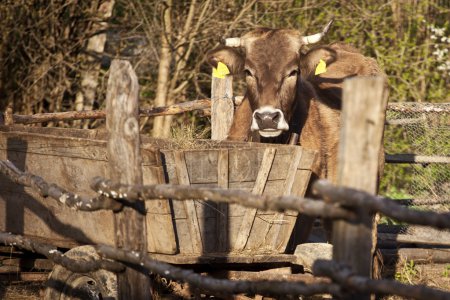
343,276
388,207
201,104
52,253
57,193
181,192
217,286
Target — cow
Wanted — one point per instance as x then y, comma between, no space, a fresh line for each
285,98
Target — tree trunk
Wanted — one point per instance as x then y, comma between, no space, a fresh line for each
96,45
165,59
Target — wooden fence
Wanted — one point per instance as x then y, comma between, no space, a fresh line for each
351,205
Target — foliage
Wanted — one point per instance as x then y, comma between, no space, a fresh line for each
408,273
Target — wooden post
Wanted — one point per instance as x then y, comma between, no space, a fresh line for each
363,114
122,122
222,108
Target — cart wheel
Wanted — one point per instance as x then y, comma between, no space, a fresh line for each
63,284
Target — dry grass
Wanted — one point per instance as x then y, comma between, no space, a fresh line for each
190,137
21,290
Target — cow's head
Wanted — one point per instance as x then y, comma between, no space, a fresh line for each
270,60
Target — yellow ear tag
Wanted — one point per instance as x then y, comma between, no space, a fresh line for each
221,70
321,67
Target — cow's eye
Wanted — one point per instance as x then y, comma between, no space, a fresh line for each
293,73
248,73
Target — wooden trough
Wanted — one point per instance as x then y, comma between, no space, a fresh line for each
177,231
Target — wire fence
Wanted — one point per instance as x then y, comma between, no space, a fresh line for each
423,130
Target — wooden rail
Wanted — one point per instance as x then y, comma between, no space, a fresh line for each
9,118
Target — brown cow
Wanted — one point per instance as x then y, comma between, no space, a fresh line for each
284,95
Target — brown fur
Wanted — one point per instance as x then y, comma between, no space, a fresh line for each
311,103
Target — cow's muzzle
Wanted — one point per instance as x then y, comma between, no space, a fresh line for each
269,121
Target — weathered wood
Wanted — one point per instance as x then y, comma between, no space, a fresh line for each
418,255
189,205
71,157
414,239
24,276
74,201
363,114
417,159
271,274
125,166
159,219
404,121
218,286
174,109
414,107
273,228
222,208
222,107
258,189
219,258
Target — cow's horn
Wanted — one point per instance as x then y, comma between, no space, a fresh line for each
311,39
233,42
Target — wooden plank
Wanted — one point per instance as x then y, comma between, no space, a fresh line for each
189,205
222,107
219,258
63,146
24,276
363,115
418,255
435,240
158,220
273,228
417,159
258,188
222,208
122,123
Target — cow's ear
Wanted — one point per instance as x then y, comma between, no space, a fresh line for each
233,58
310,60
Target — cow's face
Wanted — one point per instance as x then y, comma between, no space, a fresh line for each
271,68
270,60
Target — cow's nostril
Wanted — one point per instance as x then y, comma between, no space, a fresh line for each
275,117
258,116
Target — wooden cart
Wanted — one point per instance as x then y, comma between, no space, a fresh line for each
179,232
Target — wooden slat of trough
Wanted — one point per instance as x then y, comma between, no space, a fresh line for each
189,205
260,183
63,146
274,228
159,219
222,208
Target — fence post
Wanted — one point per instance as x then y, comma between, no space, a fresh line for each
222,108
122,123
363,114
